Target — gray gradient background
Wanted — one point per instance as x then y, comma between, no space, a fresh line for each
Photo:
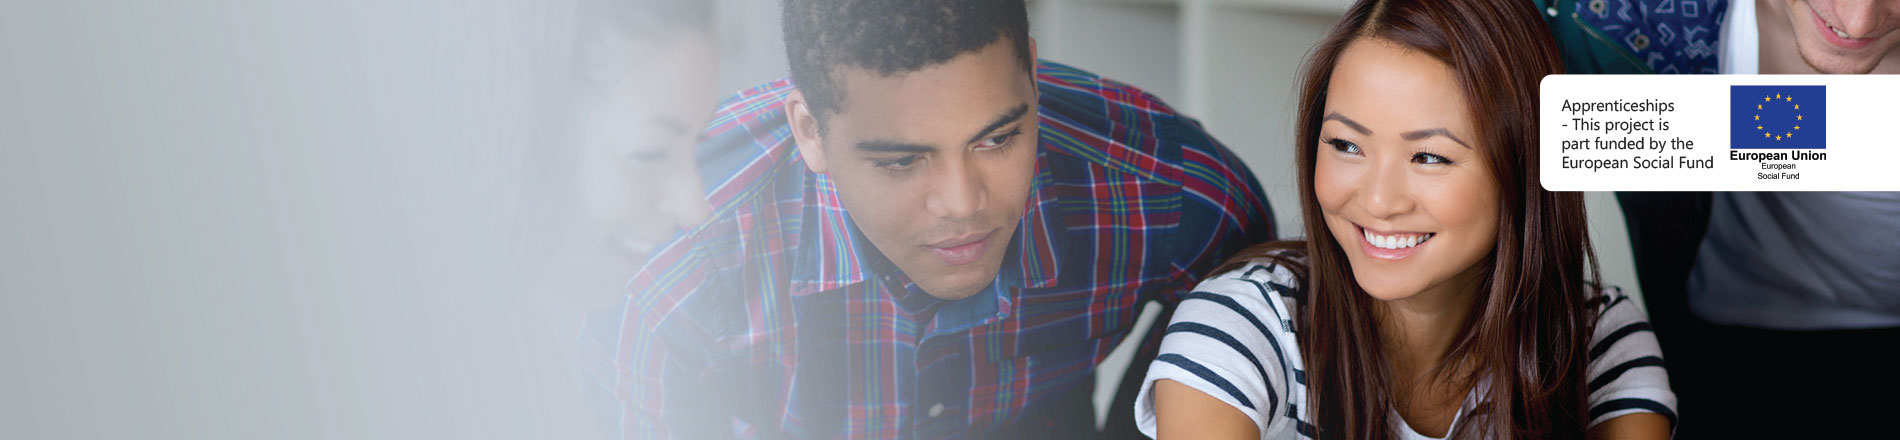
288,220
240,220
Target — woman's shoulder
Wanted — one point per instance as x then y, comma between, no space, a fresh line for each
1622,331
1233,338
1276,274
1616,309
1617,316
1625,369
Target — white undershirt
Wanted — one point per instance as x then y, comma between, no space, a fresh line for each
1407,433
1741,40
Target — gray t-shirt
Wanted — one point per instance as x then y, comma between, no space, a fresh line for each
1795,261
1800,261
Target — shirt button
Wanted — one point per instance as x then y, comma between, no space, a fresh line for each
936,410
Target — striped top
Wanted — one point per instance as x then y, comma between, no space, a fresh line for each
1235,338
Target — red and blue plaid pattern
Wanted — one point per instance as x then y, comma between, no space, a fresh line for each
774,319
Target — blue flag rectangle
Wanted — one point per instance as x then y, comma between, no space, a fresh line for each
1793,117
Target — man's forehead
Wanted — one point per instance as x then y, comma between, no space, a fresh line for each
994,68
926,103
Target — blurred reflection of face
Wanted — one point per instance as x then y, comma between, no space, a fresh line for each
633,179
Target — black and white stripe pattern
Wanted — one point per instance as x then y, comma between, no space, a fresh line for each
1626,366
1234,338
1239,346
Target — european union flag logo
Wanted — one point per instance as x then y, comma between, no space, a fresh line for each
1793,117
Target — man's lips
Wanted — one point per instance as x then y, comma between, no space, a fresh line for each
1838,37
961,250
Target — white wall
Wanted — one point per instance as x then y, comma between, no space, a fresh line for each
283,220
752,49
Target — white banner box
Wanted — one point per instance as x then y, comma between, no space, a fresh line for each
1720,132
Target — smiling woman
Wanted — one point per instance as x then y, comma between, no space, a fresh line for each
1442,291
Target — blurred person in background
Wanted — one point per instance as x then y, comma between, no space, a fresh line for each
1748,287
639,88
642,88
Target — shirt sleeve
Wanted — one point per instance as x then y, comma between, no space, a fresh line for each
661,356
1223,208
1626,365
1232,338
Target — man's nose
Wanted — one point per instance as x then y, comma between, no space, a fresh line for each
1858,18
957,192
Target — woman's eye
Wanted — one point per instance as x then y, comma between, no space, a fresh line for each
1430,159
998,140
899,164
1343,146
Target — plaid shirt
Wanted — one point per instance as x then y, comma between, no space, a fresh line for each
775,319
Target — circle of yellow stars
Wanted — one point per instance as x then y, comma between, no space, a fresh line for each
1785,133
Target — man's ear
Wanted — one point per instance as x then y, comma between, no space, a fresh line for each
805,131
1033,60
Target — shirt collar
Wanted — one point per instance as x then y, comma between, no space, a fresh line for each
831,254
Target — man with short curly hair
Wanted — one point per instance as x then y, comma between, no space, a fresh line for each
924,233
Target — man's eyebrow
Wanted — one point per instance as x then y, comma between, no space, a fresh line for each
1421,134
1001,119
875,146
1335,116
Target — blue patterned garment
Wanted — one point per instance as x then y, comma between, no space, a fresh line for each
1667,36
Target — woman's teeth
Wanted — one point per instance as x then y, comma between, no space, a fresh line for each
1396,241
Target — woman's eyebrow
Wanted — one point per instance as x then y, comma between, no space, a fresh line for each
1421,134
1335,116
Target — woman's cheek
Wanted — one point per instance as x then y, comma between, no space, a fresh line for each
1332,184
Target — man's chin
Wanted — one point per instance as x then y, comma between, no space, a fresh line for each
955,282
1821,56
954,294
1833,65
961,286
958,289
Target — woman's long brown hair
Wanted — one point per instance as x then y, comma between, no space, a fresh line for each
1531,322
